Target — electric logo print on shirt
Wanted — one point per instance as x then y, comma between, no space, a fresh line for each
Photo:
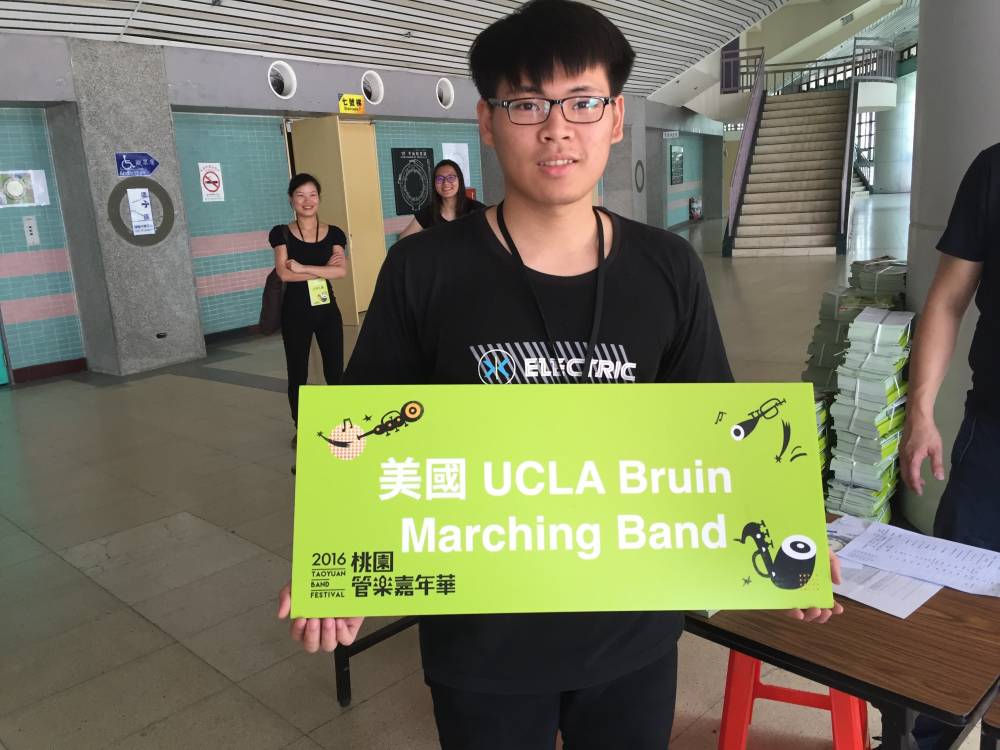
532,362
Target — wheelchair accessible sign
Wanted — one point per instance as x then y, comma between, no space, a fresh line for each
135,164
459,499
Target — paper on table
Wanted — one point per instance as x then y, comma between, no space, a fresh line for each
898,595
958,566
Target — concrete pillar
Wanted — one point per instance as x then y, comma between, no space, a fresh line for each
618,176
138,304
655,200
642,178
82,241
956,118
711,176
493,185
894,140
624,176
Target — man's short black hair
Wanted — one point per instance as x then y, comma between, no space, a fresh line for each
532,41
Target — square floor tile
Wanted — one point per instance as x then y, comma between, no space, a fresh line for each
184,611
48,498
245,644
80,524
304,744
38,670
302,688
45,596
400,716
112,706
18,547
156,557
230,719
272,532
7,528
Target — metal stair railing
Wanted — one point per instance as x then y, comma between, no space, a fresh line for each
863,167
748,139
873,59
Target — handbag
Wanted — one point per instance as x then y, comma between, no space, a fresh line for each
271,299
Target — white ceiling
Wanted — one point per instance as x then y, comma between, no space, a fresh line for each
669,36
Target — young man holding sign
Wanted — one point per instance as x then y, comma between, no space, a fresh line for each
544,288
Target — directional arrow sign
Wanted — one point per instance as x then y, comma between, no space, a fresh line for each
135,163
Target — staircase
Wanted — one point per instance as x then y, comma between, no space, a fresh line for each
858,187
791,205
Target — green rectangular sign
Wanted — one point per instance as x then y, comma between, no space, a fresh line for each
466,499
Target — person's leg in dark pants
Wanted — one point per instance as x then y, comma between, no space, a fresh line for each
330,338
483,721
296,333
970,514
635,711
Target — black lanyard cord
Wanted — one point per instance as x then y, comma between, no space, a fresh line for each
598,295
302,234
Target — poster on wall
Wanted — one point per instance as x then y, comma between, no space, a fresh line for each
210,176
140,208
23,187
411,178
676,165
458,153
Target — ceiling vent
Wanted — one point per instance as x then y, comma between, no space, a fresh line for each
847,19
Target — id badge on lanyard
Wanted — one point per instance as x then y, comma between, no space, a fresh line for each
319,292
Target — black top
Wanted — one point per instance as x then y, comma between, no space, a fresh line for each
973,233
308,254
425,218
444,301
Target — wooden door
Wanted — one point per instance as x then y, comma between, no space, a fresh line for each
316,141
364,206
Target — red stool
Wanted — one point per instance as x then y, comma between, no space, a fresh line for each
849,715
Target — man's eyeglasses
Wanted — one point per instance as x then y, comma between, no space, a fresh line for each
535,110
443,178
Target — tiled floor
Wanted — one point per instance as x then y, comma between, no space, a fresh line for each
145,528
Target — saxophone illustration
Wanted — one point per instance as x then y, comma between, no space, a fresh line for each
794,564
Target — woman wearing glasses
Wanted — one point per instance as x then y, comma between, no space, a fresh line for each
448,201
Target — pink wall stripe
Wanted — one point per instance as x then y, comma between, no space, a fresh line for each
33,262
38,308
224,244
238,281
396,224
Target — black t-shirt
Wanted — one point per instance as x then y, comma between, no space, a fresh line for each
973,233
425,218
445,302
308,254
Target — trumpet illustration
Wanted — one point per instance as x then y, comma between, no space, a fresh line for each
392,421
348,441
792,567
768,410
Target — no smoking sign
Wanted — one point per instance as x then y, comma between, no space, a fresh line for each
210,175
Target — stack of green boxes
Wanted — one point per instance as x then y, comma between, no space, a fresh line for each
868,414
883,275
826,351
